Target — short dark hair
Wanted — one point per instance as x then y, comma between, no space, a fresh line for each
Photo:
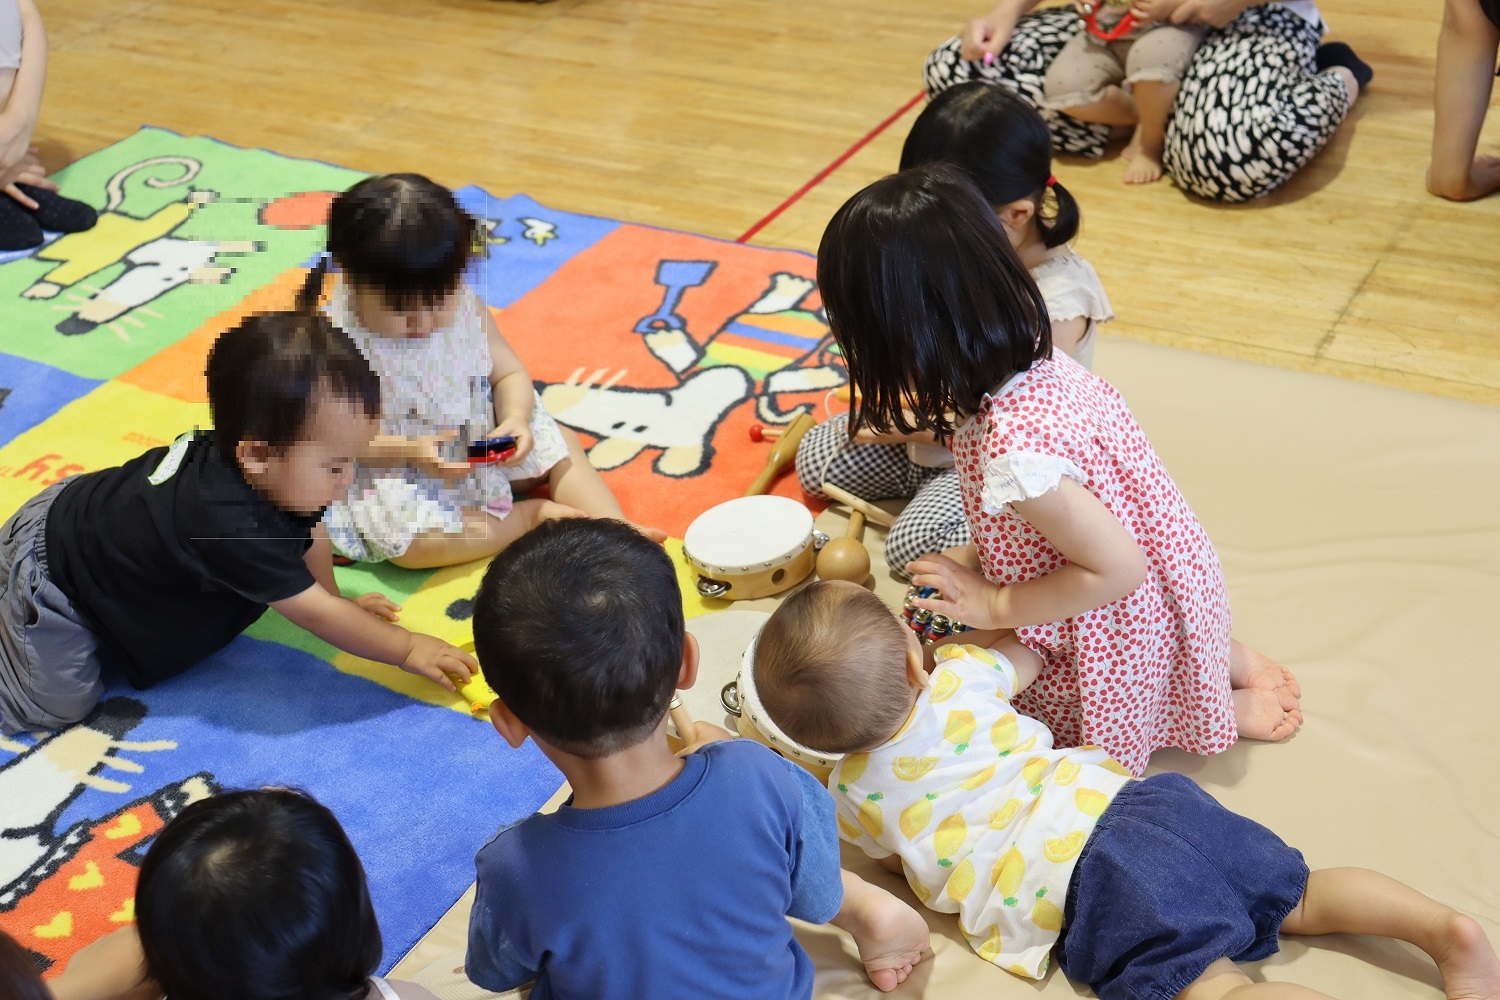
256,895
578,626
927,299
265,375
1002,143
19,978
830,668
401,234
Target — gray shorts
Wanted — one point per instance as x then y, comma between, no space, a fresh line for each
49,658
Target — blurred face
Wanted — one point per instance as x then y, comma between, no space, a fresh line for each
308,475
377,315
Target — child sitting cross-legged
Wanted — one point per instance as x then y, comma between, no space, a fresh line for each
580,626
156,564
1145,889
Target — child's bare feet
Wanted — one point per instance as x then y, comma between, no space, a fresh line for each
1467,960
892,938
1249,668
1260,715
1144,167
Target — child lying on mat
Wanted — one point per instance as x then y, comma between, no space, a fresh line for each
580,624
402,244
244,896
158,563
1144,888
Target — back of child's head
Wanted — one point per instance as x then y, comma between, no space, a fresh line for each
1003,143
401,235
256,895
579,629
267,375
19,978
927,299
830,668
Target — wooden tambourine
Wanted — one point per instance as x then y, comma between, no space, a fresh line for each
751,547
741,701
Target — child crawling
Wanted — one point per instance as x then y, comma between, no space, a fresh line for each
1145,888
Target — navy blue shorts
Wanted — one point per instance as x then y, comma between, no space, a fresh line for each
1168,883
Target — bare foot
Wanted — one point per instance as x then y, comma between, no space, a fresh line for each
1467,960
1144,167
1260,715
1484,176
892,938
1250,668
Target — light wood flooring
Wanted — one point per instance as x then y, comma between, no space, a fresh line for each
704,115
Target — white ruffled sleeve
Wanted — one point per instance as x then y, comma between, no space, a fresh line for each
1024,475
1072,289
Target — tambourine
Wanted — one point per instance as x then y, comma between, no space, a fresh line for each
741,700
930,626
751,547
1124,26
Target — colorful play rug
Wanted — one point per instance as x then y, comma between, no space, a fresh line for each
659,348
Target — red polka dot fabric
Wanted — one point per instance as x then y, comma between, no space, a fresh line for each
1152,669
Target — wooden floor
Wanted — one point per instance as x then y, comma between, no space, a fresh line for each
705,114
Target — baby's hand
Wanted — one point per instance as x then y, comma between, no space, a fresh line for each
427,457
379,605
964,595
520,429
436,660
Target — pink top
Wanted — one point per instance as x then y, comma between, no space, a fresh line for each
1152,669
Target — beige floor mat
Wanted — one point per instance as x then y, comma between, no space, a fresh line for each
1360,532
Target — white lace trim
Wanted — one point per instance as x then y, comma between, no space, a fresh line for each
1024,475
1072,289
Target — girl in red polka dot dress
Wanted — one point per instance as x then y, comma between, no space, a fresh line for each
1088,549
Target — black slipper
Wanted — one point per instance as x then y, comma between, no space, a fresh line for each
18,230
57,214
1331,54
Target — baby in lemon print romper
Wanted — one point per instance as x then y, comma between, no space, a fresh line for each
1143,888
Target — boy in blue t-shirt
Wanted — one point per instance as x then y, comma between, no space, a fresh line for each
580,627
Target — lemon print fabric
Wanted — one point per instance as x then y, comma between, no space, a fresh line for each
959,729
989,820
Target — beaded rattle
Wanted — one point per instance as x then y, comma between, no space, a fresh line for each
930,626
1124,26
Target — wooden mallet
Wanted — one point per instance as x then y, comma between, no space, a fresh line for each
783,453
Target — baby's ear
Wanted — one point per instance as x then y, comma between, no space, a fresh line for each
507,725
253,456
916,666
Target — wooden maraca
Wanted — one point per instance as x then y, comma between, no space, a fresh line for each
846,558
783,453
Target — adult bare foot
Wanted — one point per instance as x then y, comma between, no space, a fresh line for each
1467,960
1143,167
892,938
1260,715
1249,668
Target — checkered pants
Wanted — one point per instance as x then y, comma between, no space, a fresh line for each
932,521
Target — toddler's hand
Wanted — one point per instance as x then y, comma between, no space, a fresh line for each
379,605
427,457
705,733
436,660
964,595
519,429
537,511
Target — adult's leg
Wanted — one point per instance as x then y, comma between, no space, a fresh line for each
1253,110
1359,901
1034,43
1466,54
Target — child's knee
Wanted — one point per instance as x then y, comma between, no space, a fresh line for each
1162,55
1080,74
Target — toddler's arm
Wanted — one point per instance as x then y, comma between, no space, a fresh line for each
21,106
342,623
112,968
491,962
511,386
1104,564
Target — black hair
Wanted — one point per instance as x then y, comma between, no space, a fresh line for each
578,626
256,895
402,235
19,978
265,376
927,300
1004,145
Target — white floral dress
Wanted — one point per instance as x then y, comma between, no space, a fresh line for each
430,385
